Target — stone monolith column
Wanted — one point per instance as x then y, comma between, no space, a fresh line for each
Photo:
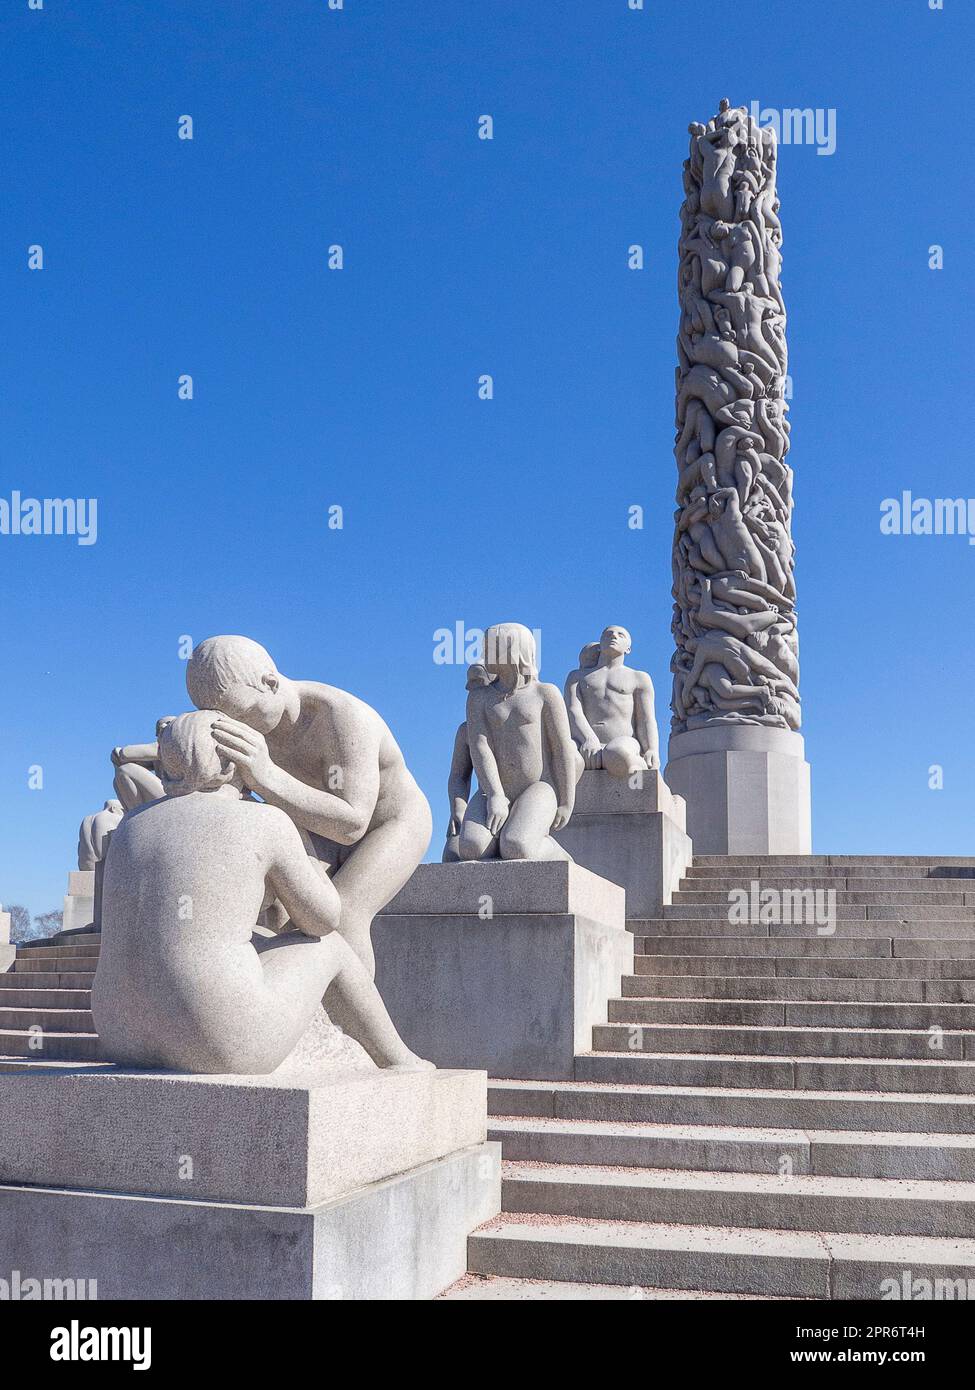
735,752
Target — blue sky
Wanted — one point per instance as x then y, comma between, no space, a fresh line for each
358,387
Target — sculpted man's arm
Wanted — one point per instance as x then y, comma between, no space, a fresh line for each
459,781
144,753
645,723
555,729
310,899
342,815
579,726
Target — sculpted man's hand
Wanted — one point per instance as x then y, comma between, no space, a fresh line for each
652,760
592,753
562,816
246,748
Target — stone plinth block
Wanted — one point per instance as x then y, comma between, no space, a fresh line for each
505,965
4,929
402,1238
231,1138
746,789
634,836
79,901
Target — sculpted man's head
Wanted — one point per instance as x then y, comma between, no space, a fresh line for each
615,641
589,656
188,757
478,676
510,646
237,677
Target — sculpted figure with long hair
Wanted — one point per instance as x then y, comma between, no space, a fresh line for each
522,751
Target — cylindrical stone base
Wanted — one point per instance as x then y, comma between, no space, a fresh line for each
746,788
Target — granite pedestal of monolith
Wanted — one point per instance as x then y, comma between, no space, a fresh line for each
363,1185
746,787
7,950
502,964
633,835
79,901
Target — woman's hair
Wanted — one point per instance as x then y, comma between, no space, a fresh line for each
220,663
510,644
188,757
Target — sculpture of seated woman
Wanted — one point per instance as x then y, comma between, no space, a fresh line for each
523,755
182,983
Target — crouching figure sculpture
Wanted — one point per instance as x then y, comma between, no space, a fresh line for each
183,981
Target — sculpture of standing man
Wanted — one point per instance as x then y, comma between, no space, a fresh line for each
611,711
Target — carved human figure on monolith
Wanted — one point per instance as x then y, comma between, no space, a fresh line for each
461,771
330,762
523,755
611,712
181,982
94,833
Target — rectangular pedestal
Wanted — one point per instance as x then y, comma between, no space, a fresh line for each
79,901
402,1238
502,965
231,1138
634,836
743,797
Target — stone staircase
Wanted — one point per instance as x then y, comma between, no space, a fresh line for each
45,1003
769,1110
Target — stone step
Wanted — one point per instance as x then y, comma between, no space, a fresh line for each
719,908
822,989
718,1039
917,1112
820,947
51,1020
483,1288
717,929
727,896
51,965
866,874
48,1046
860,1154
801,862
719,1259
758,1201
806,967
9,1063
44,998
83,948
784,1013
777,1072
47,979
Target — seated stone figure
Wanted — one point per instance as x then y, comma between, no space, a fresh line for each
611,711
182,984
137,780
522,752
94,833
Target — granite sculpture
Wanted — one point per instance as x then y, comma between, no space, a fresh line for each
183,982
94,833
461,771
328,760
611,713
522,753
736,659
